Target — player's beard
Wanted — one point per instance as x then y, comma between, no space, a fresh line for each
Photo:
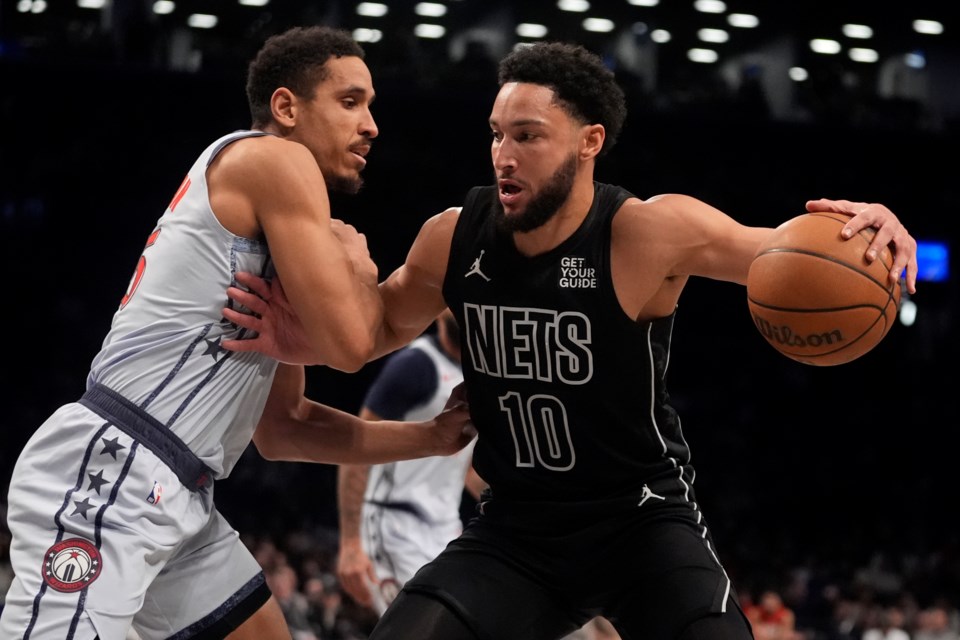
544,205
343,184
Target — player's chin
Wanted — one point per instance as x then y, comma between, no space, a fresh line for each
349,183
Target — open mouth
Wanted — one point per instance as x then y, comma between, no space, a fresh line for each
509,188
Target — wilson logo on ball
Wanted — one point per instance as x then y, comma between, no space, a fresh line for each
785,335
71,565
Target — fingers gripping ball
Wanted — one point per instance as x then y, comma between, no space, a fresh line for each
814,296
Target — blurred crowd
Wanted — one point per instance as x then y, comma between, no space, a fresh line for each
907,597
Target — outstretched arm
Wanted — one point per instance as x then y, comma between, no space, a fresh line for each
354,568
690,237
296,429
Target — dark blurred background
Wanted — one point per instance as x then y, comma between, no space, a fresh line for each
833,469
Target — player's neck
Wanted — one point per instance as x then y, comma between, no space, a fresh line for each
562,225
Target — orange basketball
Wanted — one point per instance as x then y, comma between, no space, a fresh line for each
814,296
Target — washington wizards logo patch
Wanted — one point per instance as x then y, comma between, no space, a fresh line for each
71,565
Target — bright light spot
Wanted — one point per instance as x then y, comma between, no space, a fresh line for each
930,27
531,30
644,3
598,25
254,3
859,54
823,45
432,31
39,6
578,6
908,312
859,31
430,9
713,35
915,60
702,55
798,74
660,36
372,9
91,4
163,7
24,6
710,6
743,20
202,21
367,35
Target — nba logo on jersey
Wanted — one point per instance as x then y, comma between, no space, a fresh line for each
154,497
71,565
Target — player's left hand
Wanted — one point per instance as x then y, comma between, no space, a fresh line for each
280,334
356,573
890,231
453,426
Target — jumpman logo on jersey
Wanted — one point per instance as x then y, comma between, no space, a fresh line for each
475,268
647,494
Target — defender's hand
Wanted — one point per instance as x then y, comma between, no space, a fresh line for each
453,426
280,335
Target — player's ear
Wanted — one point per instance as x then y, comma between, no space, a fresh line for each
283,105
591,141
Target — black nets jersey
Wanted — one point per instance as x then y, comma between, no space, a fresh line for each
567,392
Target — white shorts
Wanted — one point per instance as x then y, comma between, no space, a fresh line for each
398,543
105,536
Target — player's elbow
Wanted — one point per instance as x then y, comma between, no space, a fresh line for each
351,353
271,443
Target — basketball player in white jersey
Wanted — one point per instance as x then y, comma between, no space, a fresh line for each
111,501
396,517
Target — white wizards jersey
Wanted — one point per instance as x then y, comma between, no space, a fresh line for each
163,350
431,487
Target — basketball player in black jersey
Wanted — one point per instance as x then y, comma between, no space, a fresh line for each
565,291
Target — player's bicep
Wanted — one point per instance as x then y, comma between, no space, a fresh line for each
413,294
317,274
705,241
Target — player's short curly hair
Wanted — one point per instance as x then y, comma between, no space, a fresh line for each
295,59
583,85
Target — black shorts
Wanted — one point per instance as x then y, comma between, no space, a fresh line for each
524,574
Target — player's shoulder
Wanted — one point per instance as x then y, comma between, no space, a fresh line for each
448,216
262,155
665,208
439,227
265,151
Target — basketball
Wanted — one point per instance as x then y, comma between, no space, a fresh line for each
814,297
